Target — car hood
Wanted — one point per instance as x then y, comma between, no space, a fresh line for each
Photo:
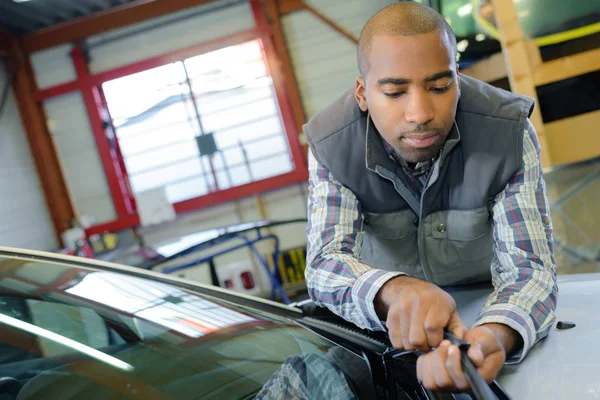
566,364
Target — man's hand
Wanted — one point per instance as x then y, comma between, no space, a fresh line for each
490,344
416,313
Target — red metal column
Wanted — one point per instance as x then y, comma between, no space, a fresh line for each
116,177
122,168
274,67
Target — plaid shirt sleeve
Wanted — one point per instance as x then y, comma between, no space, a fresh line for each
335,277
523,268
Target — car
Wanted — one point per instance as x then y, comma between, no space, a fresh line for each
75,328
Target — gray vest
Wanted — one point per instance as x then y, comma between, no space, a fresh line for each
445,236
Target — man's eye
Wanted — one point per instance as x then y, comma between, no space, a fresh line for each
441,89
394,94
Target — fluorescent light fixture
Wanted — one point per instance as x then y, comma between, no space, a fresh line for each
465,10
20,1
480,37
462,45
46,334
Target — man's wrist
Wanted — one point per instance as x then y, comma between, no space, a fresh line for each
387,293
508,338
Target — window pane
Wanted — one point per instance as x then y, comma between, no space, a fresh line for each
187,190
271,167
161,157
267,147
162,176
260,127
157,122
132,95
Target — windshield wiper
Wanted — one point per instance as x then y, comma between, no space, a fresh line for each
481,390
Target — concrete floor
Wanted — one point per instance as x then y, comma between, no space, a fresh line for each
574,195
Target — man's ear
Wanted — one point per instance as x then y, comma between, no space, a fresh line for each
360,93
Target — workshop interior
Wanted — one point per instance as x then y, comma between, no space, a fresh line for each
154,168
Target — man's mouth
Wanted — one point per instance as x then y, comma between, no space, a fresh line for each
422,140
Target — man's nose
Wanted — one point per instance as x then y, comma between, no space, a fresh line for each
420,108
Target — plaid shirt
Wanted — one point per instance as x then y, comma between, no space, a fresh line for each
523,268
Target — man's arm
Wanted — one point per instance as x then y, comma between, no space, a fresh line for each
335,277
524,270
520,311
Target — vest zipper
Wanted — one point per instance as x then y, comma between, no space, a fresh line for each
419,230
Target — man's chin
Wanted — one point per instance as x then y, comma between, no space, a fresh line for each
415,156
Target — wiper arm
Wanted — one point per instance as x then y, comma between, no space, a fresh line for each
481,389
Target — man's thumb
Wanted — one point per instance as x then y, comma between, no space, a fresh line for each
456,326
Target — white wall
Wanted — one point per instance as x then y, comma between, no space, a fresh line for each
79,156
193,26
323,60
24,218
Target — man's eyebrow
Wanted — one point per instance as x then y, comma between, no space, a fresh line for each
393,81
440,75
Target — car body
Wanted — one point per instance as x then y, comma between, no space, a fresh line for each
75,328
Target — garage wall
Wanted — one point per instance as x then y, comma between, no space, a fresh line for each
69,122
24,218
172,32
78,154
323,60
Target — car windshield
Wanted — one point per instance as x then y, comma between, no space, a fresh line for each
70,331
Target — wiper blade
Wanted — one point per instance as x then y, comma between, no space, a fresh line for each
481,389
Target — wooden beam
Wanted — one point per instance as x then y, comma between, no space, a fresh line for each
489,69
517,58
574,139
113,18
43,149
330,22
6,40
274,19
567,67
289,6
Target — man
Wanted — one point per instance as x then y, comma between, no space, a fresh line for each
422,178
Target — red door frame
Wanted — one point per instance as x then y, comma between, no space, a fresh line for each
112,161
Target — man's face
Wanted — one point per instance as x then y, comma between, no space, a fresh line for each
411,92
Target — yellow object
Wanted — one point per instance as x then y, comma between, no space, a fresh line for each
547,40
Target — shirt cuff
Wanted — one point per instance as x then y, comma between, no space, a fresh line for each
515,318
365,289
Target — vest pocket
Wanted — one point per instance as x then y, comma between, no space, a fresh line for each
462,235
390,242
396,225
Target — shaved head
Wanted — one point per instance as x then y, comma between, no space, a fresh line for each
401,19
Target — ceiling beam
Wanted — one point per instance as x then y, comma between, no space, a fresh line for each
6,41
112,18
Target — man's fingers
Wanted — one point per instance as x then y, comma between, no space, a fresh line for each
491,366
417,338
406,310
456,326
454,368
476,356
434,326
393,326
442,378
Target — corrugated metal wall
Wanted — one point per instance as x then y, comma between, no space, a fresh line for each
24,218
324,61
72,131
